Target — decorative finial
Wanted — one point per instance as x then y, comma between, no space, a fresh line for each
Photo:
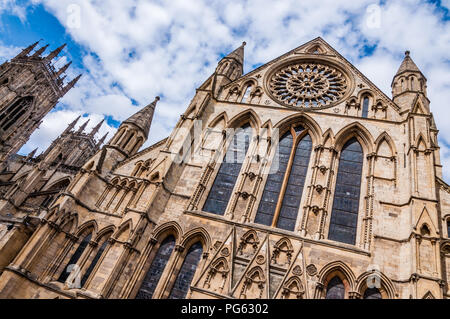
28,49
63,69
83,127
72,125
244,43
96,128
102,140
40,51
407,53
55,53
157,98
71,84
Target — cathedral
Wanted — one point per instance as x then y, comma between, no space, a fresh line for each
298,180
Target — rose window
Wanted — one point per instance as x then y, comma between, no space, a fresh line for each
308,85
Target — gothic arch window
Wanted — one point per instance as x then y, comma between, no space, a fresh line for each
127,141
14,112
335,289
246,96
156,269
344,216
372,293
74,259
187,272
365,108
282,194
96,259
229,170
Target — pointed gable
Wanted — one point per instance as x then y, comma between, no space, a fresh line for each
313,76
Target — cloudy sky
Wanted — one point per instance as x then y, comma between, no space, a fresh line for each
129,51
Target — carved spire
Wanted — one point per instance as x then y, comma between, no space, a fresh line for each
407,65
143,118
40,51
238,54
27,50
102,140
32,153
83,127
55,53
63,69
71,84
96,128
72,125
408,81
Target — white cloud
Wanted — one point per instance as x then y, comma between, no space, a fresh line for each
13,7
170,47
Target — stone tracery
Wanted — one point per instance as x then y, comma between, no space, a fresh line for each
312,85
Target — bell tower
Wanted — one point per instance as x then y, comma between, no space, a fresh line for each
30,87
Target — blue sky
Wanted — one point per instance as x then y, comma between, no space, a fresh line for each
129,51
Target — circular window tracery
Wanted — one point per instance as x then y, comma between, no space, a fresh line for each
308,85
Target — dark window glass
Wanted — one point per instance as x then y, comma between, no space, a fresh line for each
448,228
344,216
94,262
372,293
365,110
266,209
229,170
294,189
335,289
296,181
74,259
187,271
156,269
13,113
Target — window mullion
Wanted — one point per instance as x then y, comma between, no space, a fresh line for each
285,181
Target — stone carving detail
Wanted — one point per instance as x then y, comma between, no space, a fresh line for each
297,270
250,238
254,284
293,289
282,252
260,259
217,275
311,270
311,85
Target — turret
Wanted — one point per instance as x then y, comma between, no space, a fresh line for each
133,132
229,69
408,83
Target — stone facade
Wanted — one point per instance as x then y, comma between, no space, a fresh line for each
360,209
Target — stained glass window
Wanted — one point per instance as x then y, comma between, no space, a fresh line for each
156,269
187,272
229,170
365,110
94,262
294,189
74,259
335,289
372,293
344,216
